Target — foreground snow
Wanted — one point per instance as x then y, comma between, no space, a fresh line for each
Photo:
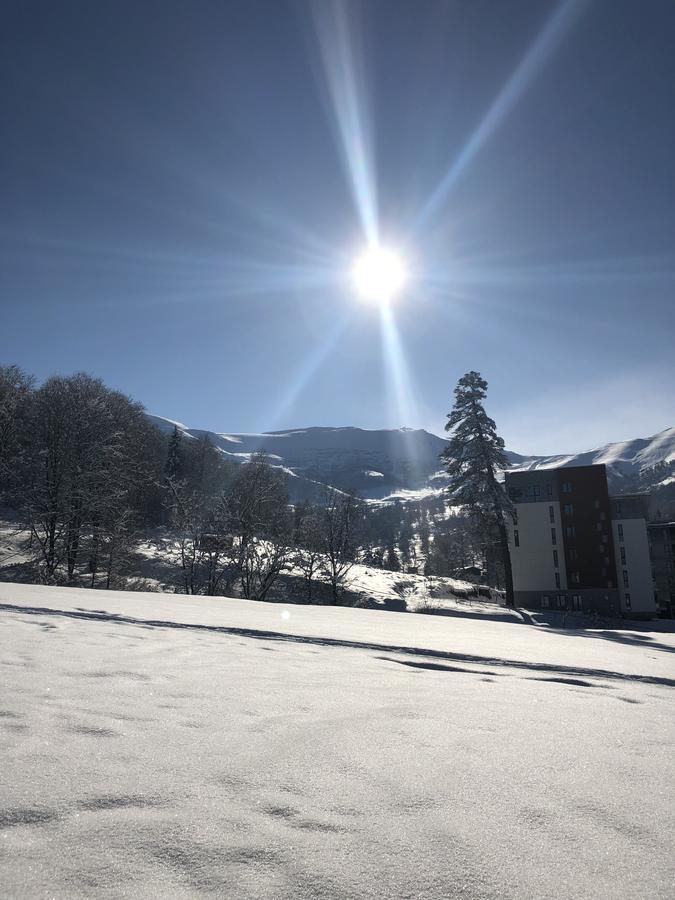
175,746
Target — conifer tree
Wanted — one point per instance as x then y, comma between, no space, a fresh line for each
392,560
472,460
173,467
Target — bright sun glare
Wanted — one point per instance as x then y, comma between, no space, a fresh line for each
379,274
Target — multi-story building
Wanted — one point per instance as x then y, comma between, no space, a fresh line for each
662,552
574,547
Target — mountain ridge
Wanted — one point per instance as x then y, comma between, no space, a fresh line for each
388,464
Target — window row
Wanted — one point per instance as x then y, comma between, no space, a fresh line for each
561,601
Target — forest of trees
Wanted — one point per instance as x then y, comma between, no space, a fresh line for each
87,478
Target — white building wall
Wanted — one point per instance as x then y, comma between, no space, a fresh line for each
532,561
638,565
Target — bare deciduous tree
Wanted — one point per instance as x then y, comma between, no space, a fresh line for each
341,518
308,556
86,458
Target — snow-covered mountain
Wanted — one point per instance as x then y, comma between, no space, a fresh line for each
375,463
404,462
624,459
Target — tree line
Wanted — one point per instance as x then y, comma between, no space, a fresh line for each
236,531
89,475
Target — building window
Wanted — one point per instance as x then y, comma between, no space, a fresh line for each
566,487
562,601
516,538
545,601
553,536
555,558
557,580
571,531
605,539
622,550
576,601
551,514
628,606
537,490
549,489
617,507
573,554
568,509
602,517
576,577
596,504
619,529
599,526
625,577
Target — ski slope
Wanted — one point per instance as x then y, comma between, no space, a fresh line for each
163,745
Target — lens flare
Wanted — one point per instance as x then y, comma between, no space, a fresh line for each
379,274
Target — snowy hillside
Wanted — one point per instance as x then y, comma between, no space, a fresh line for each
404,463
622,458
375,463
179,747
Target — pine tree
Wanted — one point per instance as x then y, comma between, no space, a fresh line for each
174,466
472,459
392,562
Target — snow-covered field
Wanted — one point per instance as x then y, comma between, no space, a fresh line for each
170,746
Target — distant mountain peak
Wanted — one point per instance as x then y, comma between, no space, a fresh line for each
406,459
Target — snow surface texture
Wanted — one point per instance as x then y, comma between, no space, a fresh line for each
178,746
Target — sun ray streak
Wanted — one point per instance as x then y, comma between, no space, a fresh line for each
343,74
399,373
548,40
310,366
595,271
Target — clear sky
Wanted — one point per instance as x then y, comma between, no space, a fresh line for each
184,186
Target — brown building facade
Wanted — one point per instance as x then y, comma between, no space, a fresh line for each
575,547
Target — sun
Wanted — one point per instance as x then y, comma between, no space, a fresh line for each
379,274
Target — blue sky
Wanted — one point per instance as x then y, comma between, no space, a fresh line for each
184,187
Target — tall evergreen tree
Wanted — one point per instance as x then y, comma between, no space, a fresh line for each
472,459
392,561
174,456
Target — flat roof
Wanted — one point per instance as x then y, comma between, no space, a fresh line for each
543,470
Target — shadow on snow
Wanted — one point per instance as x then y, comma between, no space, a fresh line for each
262,635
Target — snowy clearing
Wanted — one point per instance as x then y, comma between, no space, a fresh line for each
163,745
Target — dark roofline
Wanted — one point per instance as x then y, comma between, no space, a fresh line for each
631,495
555,469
